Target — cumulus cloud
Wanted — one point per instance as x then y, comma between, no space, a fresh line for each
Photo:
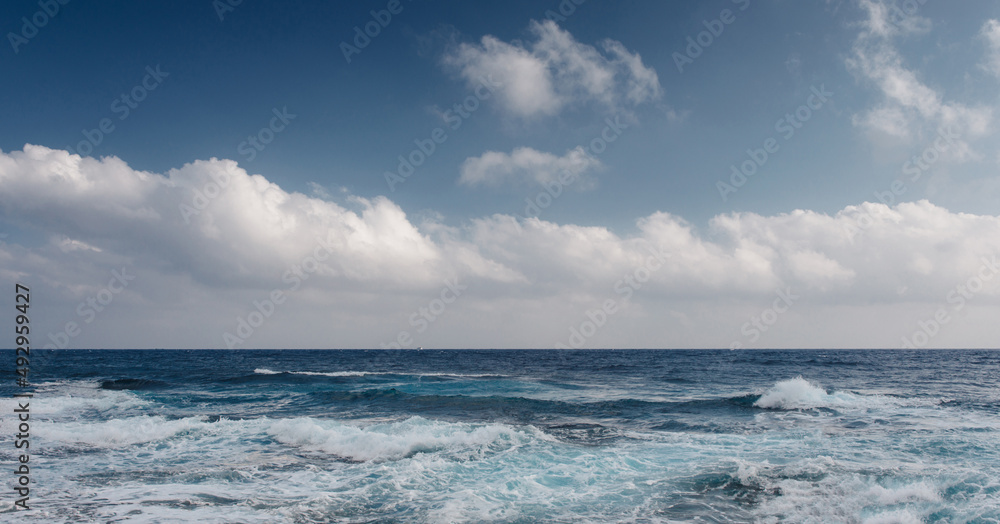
527,165
555,71
908,104
746,253
245,231
526,280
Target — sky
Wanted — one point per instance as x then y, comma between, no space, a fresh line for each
552,174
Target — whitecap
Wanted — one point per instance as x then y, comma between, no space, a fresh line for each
266,371
73,399
393,441
118,432
799,393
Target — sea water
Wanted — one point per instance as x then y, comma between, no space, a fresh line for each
597,436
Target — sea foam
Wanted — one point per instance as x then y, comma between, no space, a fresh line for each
799,393
394,440
118,432
266,371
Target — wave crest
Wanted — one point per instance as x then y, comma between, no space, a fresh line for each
799,393
266,371
396,440
119,432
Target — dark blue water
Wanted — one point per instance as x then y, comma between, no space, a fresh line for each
514,436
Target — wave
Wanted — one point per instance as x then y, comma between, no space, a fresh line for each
266,371
799,393
492,406
473,402
397,440
550,415
585,433
118,432
74,399
822,489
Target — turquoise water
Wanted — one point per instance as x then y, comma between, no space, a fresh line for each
512,436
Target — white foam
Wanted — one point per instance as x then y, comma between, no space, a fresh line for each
899,516
104,402
266,371
460,472
117,432
799,393
920,491
436,471
748,473
78,398
823,489
467,505
391,441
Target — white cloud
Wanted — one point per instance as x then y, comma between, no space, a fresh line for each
910,108
527,165
888,19
556,71
67,245
816,269
991,33
251,231
527,280
319,191
891,120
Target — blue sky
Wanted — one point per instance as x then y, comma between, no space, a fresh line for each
895,77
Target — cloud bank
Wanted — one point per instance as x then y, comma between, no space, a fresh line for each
205,267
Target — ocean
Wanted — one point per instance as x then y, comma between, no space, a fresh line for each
588,436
